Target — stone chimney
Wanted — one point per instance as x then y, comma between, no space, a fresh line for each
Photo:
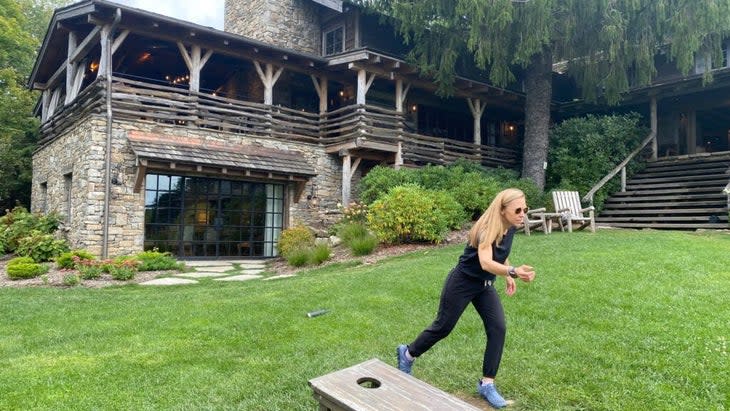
292,24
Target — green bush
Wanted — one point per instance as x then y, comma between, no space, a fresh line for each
475,192
71,280
583,150
20,260
357,238
299,257
295,238
19,223
410,213
67,261
363,245
89,269
320,254
380,179
19,271
348,232
157,261
40,246
122,272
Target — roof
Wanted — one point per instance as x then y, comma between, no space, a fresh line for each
182,150
83,17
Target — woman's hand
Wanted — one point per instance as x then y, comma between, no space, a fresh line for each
511,285
525,273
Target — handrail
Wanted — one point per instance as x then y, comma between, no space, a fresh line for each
621,167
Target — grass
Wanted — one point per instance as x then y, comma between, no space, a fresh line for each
614,320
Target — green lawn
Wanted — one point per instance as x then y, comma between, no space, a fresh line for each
615,320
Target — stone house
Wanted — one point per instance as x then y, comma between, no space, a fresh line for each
161,133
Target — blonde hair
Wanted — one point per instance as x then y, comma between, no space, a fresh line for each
490,227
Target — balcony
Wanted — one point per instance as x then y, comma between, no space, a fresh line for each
380,132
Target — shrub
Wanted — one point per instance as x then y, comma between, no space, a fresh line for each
355,213
475,192
295,238
66,260
41,247
157,261
380,179
363,245
71,280
410,213
20,260
583,150
320,254
299,257
19,223
89,270
19,271
122,273
348,232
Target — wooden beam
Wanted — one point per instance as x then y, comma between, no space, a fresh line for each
269,78
139,175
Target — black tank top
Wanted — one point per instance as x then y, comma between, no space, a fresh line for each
469,260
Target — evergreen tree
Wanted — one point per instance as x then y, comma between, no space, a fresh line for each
22,26
607,46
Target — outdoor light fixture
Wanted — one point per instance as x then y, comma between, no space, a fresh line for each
312,197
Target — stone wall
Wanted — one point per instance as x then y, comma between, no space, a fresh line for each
80,152
292,24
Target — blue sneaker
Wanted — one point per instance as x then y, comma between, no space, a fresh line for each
489,393
403,363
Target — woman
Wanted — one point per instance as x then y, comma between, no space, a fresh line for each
472,281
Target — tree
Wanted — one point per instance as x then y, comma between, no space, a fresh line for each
22,26
607,46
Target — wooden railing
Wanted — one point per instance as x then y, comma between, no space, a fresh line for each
136,100
388,126
621,167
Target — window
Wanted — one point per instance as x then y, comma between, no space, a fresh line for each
333,41
67,186
44,197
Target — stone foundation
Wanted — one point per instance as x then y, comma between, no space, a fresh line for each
79,154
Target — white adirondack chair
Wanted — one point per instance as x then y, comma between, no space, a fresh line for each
535,219
567,204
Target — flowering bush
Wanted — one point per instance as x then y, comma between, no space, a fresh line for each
354,213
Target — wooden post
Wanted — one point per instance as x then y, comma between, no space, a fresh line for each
401,94
654,149
400,97
346,163
363,84
477,110
195,63
269,78
105,33
692,132
320,85
71,67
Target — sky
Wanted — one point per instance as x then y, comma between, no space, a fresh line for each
204,12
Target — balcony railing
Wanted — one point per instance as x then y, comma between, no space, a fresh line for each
135,100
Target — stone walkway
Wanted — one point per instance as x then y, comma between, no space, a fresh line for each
218,270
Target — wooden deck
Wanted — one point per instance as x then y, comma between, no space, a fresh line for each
371,125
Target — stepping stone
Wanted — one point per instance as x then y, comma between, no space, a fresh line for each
253,271
276,277
168,281
207,263
244,277
200,274
214,269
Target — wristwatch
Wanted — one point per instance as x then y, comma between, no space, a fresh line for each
512,272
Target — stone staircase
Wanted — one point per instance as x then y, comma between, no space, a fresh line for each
681,193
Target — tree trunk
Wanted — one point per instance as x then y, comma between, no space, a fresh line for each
538,90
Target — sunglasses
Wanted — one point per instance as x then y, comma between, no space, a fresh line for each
521,210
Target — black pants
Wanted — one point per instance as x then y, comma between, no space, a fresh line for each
460,290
